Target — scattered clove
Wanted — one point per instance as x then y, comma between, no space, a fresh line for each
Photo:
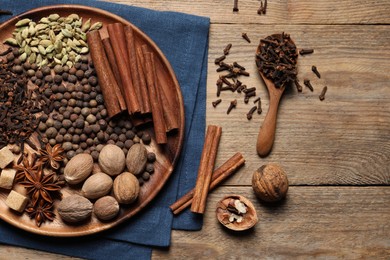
308,84
256,100
263,7
306,51
314,69
216,102
245,36
250,113
299,86
235,6
227,49
233,104
259,110
219,59
322,95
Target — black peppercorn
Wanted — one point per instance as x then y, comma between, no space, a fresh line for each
62,89
114,137
46,70
77,65
65,76
95,128
48,92
79,123
59,138
18,69
67,137
72,71
151,157
71,130
70,154
93,81
146,138
87,130
83,145
128,144
62,131
58,69
67,96
72,78
149,167
129,134
57,79
27,65
84,59
66,68
57,104
120,144
76,139
44,117
79,74
66,123
145,176
89,141
31,73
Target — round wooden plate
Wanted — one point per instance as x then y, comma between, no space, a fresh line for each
167,155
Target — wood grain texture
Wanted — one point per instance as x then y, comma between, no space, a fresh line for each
278,12
344,139
313,222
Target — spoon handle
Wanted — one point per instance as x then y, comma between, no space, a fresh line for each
266,136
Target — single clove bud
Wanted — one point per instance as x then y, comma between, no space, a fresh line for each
259,110
322,95
233,104
308,84
314,69
216,102
245,36
227,49
306,51
219,59
250,113
299,86
235,6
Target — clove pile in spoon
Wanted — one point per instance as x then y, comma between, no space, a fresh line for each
276,59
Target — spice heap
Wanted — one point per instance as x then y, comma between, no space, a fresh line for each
53,40
224,84
49,86
277,59
19,104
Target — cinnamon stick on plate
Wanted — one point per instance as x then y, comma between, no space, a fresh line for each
219,175
209,153
111,59
133,66
112,95
157,113
142,80
118,42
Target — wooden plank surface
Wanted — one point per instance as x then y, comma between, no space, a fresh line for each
313,222
344,140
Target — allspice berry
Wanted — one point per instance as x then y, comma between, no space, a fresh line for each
270,183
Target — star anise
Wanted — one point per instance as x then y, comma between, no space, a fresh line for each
41,212
26,166
40,186
52,156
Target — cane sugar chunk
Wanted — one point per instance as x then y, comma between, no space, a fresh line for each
7,178
6,157
16,201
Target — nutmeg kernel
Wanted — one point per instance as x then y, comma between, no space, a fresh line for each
126,188
112,160
270,183
106,208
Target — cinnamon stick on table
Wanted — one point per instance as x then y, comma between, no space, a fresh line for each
118,42
133,66
157,113
219,175
112,95
209,153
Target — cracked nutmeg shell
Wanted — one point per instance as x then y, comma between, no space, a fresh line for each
270,183
236,212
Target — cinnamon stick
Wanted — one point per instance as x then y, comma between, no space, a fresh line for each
170,114
111,59
219,175
133,66
157,113
144,89
112,95
209,153
118,42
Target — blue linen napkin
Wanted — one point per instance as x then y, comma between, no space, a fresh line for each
184,41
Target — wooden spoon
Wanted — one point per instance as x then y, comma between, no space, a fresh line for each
266,137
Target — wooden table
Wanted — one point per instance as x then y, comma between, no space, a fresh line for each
336,152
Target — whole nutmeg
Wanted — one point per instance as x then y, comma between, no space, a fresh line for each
75,208
106,208
136,159
236,213
78,168
126,188
96,186
270,183
112,160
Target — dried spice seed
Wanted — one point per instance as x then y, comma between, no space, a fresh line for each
323,92
299,86
219,59
227,49
250,113
245,36
315,70
259,109
306,51
216,102
235,6
233,104
308,84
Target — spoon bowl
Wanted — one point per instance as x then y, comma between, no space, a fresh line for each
266,137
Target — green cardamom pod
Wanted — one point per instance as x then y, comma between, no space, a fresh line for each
84,50
49,48
44,20
41,26
34,49
58,46
23,22
96,26
25,33
34,43
42,50
23,57
67,33
64,59
27,50
45,43
53,17
32,58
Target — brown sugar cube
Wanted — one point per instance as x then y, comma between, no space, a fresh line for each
16,201
7,178
6,157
